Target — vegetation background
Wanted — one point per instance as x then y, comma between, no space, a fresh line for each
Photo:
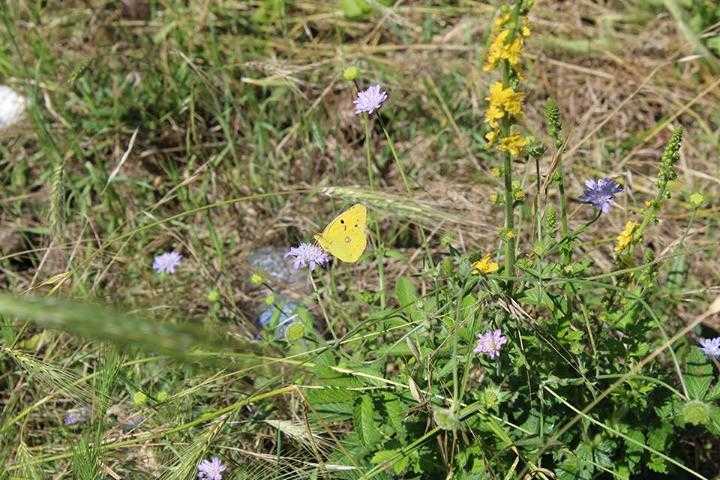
224,130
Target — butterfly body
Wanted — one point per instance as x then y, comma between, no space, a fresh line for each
345,237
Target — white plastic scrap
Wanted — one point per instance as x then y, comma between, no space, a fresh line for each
12,106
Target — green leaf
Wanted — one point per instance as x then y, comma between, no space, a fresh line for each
713,424
365,422
575,466
538,297
408,299
332,401
698,374
355,9
502,435
396,411
321,396
714,393
399,464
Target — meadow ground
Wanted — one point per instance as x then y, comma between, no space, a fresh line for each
225,130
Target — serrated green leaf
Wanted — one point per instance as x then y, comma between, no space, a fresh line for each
713,424
321,396
365,422
399,463
714,393
396,416
657,464
657,438
698,374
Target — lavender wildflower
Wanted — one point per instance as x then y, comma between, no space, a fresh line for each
167,262
210,469
490,343
600,193
710,346
308,255
370,100
76,415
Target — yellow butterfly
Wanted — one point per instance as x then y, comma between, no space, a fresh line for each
345,237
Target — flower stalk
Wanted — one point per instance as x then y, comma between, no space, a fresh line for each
504,110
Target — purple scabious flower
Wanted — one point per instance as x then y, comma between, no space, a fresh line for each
210,469
490,343
167,262
76,415
308,255
600,193
710,346
370,100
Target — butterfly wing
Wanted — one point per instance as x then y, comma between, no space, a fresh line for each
345,237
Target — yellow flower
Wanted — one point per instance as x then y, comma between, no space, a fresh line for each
501,101
493,114
507,234
626,236
490,136
501,21
513,144
502,48
486,265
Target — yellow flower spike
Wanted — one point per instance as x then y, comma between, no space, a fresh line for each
624,239
485,265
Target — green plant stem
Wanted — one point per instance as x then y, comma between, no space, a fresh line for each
508,234
368,154
536,203
564,226
322,307
394,154
509,220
